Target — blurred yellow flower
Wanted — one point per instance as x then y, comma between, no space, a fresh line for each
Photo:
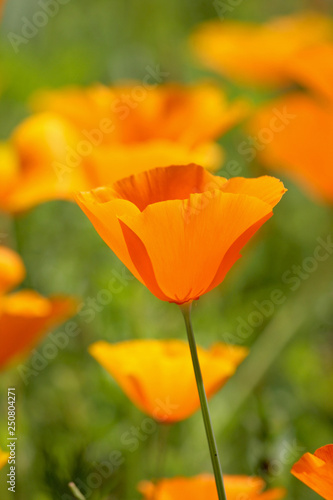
203,487
28,159
3,458
258,54
84,138
24,315
158,377
12,269
302,148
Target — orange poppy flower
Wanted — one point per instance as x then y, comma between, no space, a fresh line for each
3,458
313,68
316,471
25,315
303,147
28,163
258,54
148,372
203,486
179,229
127,129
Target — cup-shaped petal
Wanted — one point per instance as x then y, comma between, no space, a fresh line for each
148,371
179,229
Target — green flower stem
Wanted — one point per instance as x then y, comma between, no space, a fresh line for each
186,310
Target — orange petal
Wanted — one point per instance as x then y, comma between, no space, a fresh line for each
313,68
111,163
268,189
136,113
9,168
45,148
24,317
102,209
186,241
176,182
316,471
12,269
269,46
301,148
148,372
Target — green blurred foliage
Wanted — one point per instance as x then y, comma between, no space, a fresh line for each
71,416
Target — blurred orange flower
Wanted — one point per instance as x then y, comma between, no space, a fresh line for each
25,315
313,68
3,458
258,54
84,138
12,269
203,486
302,148
127,129
148,372
179,229
316,471
28,173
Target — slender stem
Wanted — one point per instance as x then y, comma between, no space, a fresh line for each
76,492
186,310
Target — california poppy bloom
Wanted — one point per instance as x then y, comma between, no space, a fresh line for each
148,372
24,315
28,163
316,471
203,486
179,229
131,128
3,458
269,47
302,148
